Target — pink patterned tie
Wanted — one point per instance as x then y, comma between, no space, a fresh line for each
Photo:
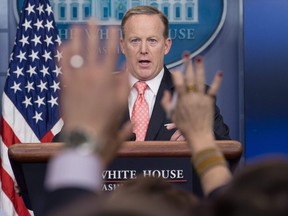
140,112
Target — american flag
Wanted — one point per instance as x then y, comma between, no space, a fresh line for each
30,98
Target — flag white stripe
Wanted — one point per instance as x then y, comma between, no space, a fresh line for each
6,162
57,127
16,121
6,205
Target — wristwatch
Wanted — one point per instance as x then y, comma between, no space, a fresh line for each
82,142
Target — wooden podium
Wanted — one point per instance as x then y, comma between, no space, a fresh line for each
29,162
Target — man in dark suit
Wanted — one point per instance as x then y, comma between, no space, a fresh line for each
145,42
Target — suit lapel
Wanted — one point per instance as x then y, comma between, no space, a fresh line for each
158,116
126,116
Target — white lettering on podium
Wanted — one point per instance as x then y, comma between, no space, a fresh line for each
166,174
118,174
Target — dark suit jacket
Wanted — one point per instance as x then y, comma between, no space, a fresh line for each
157,130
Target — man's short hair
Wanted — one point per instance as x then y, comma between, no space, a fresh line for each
146,10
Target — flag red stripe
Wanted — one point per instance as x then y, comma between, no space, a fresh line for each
8,135
8,189
48,137
10,138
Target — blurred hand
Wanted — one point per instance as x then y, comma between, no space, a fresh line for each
177,136
93,99
193,114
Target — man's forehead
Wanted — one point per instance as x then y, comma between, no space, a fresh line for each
145,25
144,16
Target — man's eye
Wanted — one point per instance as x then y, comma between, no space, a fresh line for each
135,41
152,41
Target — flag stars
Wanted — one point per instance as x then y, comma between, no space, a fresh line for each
32,86
48,40
24,40
49,25
53,101
27,24
59,55
34,55
29,86
57,70
40,9
38,24
42,86
40,101
47,56
36,40
49,10
16,87
27,101
58,40
21,56
44,71
30,9
31,70
55,86
18,72
37,117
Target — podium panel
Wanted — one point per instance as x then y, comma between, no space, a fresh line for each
169,160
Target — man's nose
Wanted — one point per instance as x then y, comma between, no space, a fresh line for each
143,48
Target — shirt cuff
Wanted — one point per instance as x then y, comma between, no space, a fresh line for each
71,169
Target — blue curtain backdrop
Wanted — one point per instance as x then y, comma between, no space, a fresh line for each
266,76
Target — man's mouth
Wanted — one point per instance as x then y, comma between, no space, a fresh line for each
144,62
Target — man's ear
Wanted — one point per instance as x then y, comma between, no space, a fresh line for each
122,46
168,44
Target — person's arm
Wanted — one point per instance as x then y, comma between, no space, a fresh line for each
92,103
193,115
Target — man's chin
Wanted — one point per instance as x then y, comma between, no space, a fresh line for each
146,76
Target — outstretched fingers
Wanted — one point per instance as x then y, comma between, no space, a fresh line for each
92,42
212,92
189,74
179,82
112,44
200,75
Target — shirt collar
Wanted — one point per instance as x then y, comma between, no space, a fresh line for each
153,84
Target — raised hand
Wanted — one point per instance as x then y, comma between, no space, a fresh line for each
93,99
193,112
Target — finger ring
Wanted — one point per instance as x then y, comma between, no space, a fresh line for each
76,61
190,88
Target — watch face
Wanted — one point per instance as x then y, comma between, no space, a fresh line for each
76,138
83,142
